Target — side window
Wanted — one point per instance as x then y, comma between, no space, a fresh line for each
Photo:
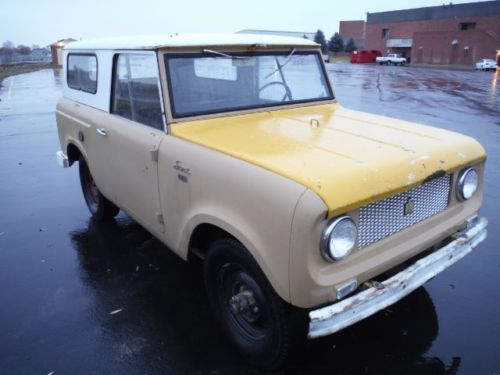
82,72
136,89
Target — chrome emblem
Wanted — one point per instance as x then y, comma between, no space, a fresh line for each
408,207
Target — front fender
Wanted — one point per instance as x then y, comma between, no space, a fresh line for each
254,205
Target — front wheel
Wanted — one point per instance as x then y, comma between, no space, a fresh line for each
99,206
262,326
402,63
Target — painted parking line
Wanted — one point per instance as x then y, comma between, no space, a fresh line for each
9,93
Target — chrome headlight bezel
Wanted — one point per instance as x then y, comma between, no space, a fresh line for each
462,181
326,251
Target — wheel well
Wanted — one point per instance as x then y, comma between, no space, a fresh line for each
73,153
202,237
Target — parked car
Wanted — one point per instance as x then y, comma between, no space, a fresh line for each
391,59
486,64
308,216
365,56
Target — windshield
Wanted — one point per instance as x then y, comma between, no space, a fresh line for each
215,82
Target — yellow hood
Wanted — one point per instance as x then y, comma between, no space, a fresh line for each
348,158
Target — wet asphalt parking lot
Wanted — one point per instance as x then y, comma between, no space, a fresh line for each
80,297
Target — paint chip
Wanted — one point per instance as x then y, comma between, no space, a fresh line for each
419,159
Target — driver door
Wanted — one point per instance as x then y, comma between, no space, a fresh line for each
134,132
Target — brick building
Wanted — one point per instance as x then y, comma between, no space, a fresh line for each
445,34
354,30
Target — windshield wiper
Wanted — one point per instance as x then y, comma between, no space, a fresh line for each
225,55
280,66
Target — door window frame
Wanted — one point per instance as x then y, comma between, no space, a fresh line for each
152,53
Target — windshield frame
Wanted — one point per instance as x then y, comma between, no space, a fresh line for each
252,108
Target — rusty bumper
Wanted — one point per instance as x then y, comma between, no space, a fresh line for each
62,159
333,318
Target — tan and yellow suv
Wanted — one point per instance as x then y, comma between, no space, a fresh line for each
309,217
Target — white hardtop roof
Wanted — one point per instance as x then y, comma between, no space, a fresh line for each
188,40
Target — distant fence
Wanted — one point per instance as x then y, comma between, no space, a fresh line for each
31,58
338,54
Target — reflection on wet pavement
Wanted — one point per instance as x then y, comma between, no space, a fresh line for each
162,326
473,93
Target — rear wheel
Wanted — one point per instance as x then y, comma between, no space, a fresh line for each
402,63
99,206
262,326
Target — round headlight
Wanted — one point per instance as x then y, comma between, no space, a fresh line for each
339,238
467,184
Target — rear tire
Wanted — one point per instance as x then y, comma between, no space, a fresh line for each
265,329
403,63
99,206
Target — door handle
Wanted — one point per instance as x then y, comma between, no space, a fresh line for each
102,131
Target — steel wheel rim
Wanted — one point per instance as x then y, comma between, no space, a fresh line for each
91,191
234,281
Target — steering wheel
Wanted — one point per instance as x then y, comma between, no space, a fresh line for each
288,92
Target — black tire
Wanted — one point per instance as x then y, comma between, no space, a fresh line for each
99,206
268,331
389,62
402,63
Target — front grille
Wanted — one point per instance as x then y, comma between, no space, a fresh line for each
388,216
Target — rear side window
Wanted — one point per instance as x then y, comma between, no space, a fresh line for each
82,72
136,89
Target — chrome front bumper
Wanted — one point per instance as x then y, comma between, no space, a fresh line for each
333,318
62,159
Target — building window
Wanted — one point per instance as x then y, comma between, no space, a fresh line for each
136,89
467,25
82,72
385,33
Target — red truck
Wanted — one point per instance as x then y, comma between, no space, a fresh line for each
365,56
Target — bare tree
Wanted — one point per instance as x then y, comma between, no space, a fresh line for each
7,51
8,45
23,50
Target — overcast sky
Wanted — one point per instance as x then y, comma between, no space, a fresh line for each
43,22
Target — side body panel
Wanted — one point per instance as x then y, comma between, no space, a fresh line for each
122,162
256,206
129,162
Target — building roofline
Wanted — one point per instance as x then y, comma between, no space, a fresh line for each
445,11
